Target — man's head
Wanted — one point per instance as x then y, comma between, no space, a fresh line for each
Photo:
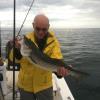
41,26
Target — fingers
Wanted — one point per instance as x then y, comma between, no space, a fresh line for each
62,71
18,42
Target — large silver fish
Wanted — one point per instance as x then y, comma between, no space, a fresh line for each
40,59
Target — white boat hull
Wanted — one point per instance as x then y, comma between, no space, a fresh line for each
61,90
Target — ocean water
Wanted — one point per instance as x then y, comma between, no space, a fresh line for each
81,48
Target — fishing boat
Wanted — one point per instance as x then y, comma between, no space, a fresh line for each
61,89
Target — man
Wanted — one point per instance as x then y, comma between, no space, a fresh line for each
36,83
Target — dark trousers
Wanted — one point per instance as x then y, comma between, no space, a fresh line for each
42,95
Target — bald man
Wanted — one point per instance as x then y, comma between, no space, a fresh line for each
36,83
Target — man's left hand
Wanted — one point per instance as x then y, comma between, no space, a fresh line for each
62,71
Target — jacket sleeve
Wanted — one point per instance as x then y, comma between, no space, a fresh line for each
18,55
56,51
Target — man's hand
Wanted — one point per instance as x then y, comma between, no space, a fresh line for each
62,71
18,42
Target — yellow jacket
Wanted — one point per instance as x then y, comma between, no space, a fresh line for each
32,78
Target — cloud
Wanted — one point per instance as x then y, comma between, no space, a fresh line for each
60,12
4,4
77,3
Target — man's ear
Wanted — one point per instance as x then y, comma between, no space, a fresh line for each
48,26
33,25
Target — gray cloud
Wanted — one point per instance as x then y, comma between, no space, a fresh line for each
94,7
87,8
81,4
52,2
90,4
6,4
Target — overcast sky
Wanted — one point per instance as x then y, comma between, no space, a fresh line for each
62,13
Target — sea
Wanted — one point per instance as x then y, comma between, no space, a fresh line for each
80,48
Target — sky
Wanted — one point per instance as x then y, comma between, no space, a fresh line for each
61,13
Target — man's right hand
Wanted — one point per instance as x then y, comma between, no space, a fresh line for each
18,42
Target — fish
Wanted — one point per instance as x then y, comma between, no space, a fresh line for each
42,60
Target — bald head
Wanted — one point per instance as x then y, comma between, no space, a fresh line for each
41,19
41,25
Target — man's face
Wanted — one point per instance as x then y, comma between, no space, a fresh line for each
40,29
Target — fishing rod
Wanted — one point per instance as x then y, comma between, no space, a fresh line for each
14,33
14,37
25,17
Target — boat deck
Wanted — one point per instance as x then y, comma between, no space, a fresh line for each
60,88
9,97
